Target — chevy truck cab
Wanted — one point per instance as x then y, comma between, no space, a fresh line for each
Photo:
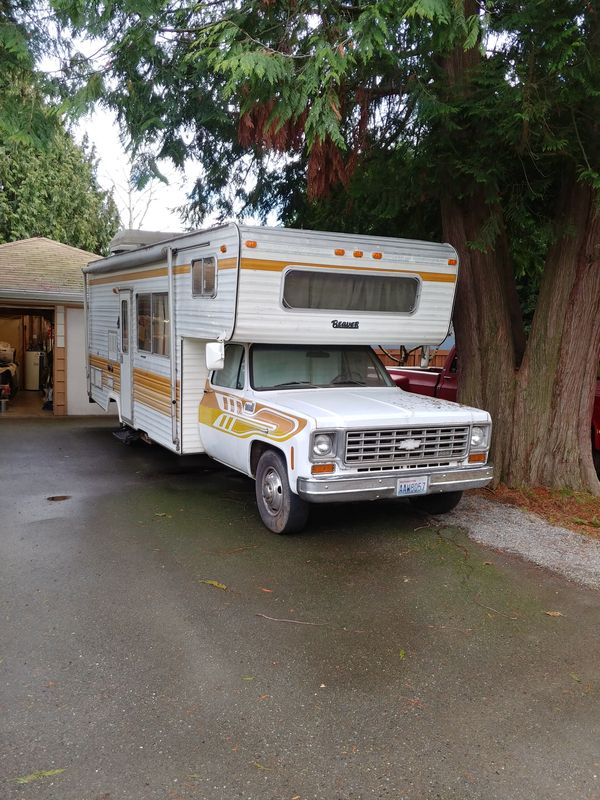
326,424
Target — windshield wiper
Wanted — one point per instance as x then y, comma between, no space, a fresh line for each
349,382
293,383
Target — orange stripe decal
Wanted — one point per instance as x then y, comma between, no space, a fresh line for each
140,275
278,266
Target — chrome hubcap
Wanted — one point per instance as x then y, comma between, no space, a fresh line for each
272,492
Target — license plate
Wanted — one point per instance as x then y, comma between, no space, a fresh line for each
410,486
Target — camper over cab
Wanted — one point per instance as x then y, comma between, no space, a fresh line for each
253,345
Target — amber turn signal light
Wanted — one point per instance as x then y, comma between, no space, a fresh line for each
322,469
477,458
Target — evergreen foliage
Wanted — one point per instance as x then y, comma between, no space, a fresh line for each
52,191
48,184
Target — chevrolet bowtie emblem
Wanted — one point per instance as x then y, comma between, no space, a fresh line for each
410,444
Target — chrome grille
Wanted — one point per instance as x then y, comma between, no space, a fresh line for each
406,446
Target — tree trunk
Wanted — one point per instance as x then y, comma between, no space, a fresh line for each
485,337
540,395
554,393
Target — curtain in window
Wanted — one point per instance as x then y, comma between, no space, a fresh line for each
160,324
144,313
349,292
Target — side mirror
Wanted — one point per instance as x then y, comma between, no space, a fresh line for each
215,355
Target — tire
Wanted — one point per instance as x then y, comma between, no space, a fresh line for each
437,503
280,509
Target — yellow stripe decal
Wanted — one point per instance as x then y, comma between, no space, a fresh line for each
153,390
141,275
157,272
278,266
243,419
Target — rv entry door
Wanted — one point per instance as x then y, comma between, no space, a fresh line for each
125,348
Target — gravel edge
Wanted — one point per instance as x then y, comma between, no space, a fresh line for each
513,530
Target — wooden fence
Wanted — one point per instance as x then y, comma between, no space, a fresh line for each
437,358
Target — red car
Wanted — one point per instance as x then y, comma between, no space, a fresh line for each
442,382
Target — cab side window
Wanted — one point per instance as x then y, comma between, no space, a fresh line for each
232,375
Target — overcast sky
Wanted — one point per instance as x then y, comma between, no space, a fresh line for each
113,173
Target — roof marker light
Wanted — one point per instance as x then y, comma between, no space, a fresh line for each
452,262
378,256
339,251
250,243
358,254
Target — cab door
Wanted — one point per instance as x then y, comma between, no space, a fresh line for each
224,433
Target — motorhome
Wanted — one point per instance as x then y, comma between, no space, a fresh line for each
254,345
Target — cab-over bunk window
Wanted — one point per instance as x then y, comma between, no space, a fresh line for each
204,277
153,323
349,291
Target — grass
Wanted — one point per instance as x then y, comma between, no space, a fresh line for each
577,511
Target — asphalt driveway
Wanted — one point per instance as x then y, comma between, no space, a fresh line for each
157,642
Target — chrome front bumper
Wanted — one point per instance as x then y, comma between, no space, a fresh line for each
339,489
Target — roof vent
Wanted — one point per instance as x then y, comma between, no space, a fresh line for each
131,239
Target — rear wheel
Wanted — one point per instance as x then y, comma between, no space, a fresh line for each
280,509
437,503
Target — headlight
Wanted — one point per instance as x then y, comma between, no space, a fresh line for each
323,444
479,437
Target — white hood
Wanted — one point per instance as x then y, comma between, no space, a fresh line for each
353,407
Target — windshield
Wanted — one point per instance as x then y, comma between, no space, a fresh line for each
312,366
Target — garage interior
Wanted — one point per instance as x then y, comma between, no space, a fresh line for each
27,361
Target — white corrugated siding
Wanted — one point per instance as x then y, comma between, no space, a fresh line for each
205,317
192,389
260,315
262,318
102,311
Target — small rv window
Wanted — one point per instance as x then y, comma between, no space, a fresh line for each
303,288
233,373
153,323
204,277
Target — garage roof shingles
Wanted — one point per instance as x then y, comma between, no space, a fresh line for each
43,266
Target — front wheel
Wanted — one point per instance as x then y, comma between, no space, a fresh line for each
437,503
280,509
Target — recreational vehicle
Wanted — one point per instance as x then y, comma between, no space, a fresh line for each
253,345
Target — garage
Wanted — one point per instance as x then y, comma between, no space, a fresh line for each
42,330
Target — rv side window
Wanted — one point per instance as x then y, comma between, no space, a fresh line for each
233,372
204,277
331,291
153,323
